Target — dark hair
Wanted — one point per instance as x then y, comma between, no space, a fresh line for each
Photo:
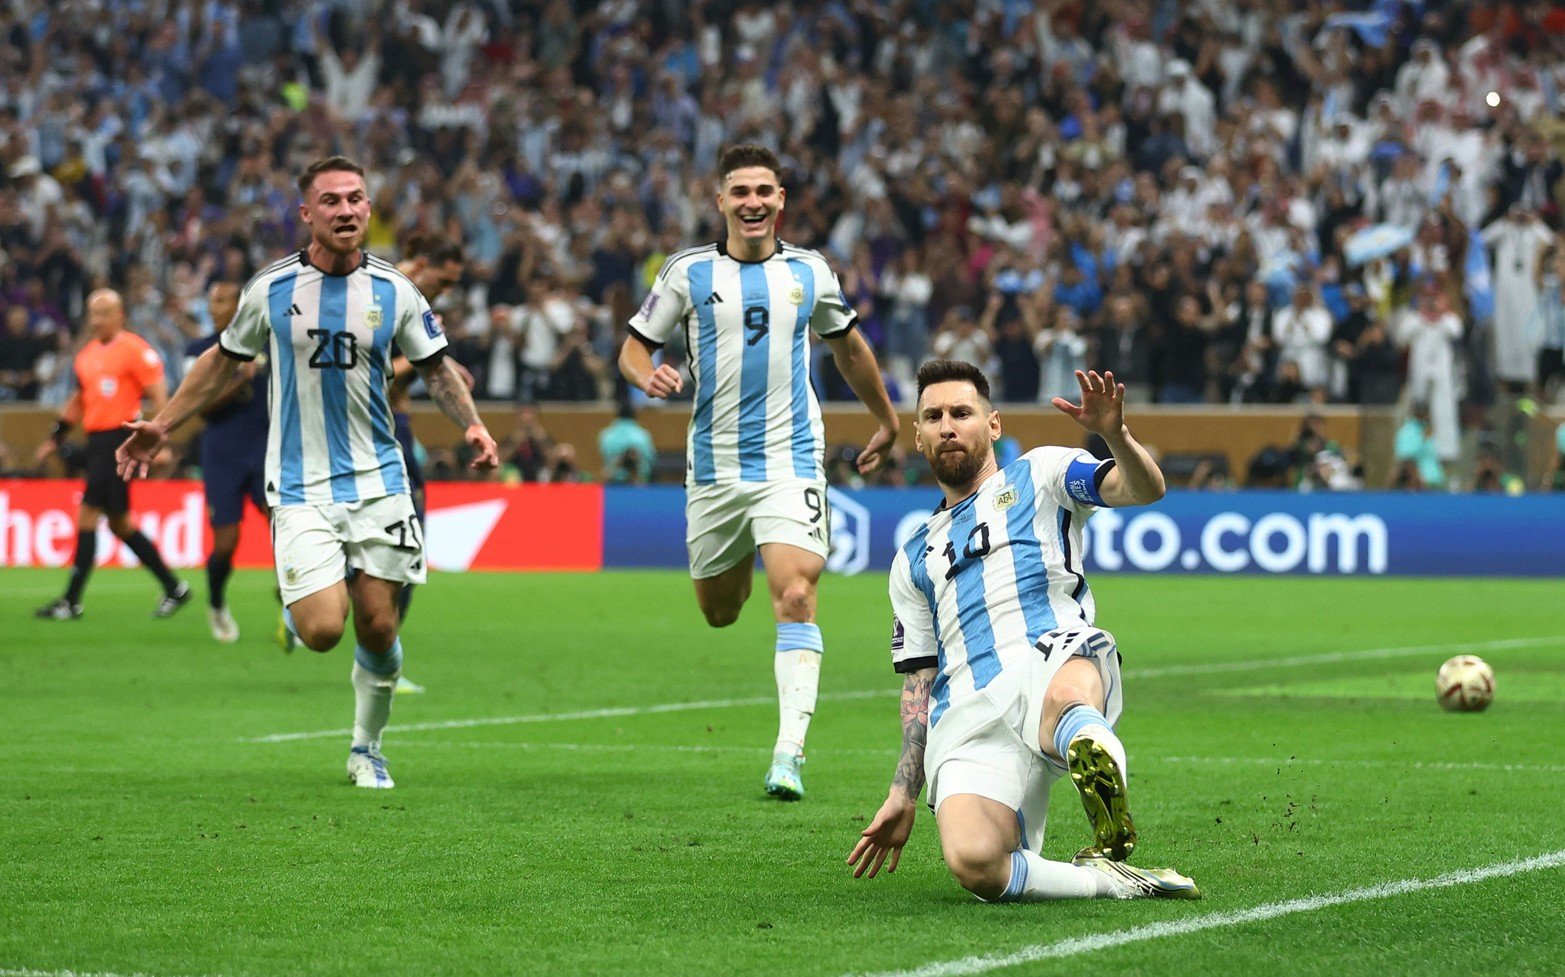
948,371
747,154
437,249
331,164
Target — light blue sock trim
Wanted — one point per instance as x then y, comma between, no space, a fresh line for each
1018,884
799,637
1075,718
288,622
388,664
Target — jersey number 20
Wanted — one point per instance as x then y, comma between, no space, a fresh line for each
334,350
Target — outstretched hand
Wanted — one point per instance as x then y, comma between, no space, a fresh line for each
1102,408
134,457
884,837
485,454
876,451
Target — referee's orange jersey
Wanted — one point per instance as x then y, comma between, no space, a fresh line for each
112,377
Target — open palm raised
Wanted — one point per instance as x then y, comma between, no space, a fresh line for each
1102,407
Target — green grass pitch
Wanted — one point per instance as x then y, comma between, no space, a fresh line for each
579,791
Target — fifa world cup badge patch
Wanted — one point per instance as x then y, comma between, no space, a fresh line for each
796,293
1005,498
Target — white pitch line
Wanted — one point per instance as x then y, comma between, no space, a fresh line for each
65,973
1330,657
889,691
623,747
759,751
1077,946
555,717
1327,762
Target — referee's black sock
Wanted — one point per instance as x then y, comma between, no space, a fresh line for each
86,557
217,570
153,560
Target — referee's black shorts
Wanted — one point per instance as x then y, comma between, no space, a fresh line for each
105,489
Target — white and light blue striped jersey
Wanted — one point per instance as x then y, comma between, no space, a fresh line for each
329,339
746,327
981,581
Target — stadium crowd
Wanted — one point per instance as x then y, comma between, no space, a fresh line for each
1248,201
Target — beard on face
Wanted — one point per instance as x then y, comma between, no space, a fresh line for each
958,468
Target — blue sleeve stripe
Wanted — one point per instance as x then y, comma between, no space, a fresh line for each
1083,478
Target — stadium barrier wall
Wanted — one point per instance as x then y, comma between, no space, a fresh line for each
471,526
1250,532
489,526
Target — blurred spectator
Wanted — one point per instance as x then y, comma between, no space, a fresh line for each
1417,460
1554,475
1547,323
577,373
1013,346
1301,331
542,325
627,450
1061,350
1517,240
1251,373
1430,332
1122,346
527,449
960,338
20,352
1181,353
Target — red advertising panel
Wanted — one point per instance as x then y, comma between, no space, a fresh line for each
471,526
482,526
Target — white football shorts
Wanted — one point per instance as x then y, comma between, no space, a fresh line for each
725,523
316,545
989,745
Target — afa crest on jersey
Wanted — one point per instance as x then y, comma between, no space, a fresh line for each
1005,498
796,293
373,317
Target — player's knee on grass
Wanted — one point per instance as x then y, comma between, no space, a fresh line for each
979,867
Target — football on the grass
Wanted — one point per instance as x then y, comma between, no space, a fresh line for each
1465,684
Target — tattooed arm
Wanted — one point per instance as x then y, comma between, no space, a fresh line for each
448,390
893,823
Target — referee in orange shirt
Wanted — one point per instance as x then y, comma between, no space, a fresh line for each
114,370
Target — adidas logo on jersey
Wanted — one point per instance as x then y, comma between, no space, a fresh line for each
295,310
715,299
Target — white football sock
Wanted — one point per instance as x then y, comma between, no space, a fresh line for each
1036,879
797,666
373,689
1083,720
